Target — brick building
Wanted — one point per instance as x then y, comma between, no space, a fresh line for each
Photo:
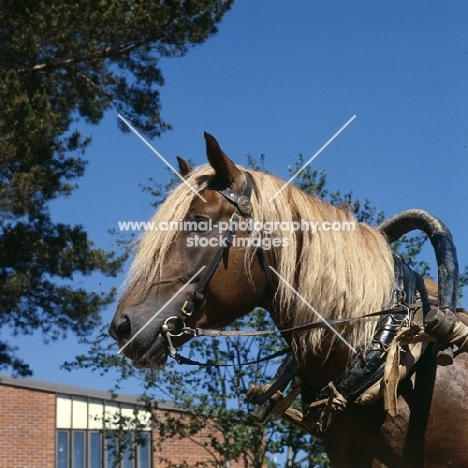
48,425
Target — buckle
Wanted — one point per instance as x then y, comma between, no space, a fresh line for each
235,218
184,310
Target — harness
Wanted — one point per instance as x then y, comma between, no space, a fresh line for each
367,366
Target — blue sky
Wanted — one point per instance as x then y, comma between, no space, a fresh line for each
280,78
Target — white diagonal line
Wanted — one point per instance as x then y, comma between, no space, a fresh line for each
312,309
160,156
312,158
161,309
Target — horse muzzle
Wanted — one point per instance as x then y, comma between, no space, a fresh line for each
147,345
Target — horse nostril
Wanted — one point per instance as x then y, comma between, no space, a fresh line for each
121,328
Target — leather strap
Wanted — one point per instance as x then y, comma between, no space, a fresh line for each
184,360
243,206
307,326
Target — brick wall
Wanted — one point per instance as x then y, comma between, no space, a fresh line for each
188,451
27,428
28,433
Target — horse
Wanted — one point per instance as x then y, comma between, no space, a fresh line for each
199,278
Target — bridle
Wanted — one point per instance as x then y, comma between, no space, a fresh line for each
243,208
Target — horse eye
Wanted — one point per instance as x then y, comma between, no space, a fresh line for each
201,225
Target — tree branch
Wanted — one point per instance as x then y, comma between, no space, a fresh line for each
108,52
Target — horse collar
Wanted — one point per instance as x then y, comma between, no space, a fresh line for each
368,365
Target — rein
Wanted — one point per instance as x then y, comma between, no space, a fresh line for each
190,362
308,326
197,332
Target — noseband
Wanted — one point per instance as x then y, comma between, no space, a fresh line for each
243,208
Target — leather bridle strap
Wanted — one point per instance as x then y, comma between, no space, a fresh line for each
243,208
197,296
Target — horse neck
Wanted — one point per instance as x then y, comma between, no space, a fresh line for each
331,278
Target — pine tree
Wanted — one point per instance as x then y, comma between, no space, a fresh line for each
61,61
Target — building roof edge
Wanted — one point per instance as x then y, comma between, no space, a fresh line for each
52,387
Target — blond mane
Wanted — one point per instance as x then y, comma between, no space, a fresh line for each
340,273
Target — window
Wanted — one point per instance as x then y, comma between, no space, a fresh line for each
128,455
144,451
62,449
79,449
90,449
81,442
111,452
95,450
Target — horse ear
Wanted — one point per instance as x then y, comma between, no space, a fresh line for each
227,172
184,167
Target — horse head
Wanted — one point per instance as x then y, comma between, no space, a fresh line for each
204,276
188,248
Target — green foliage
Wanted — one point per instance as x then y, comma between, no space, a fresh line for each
84,56
61,61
